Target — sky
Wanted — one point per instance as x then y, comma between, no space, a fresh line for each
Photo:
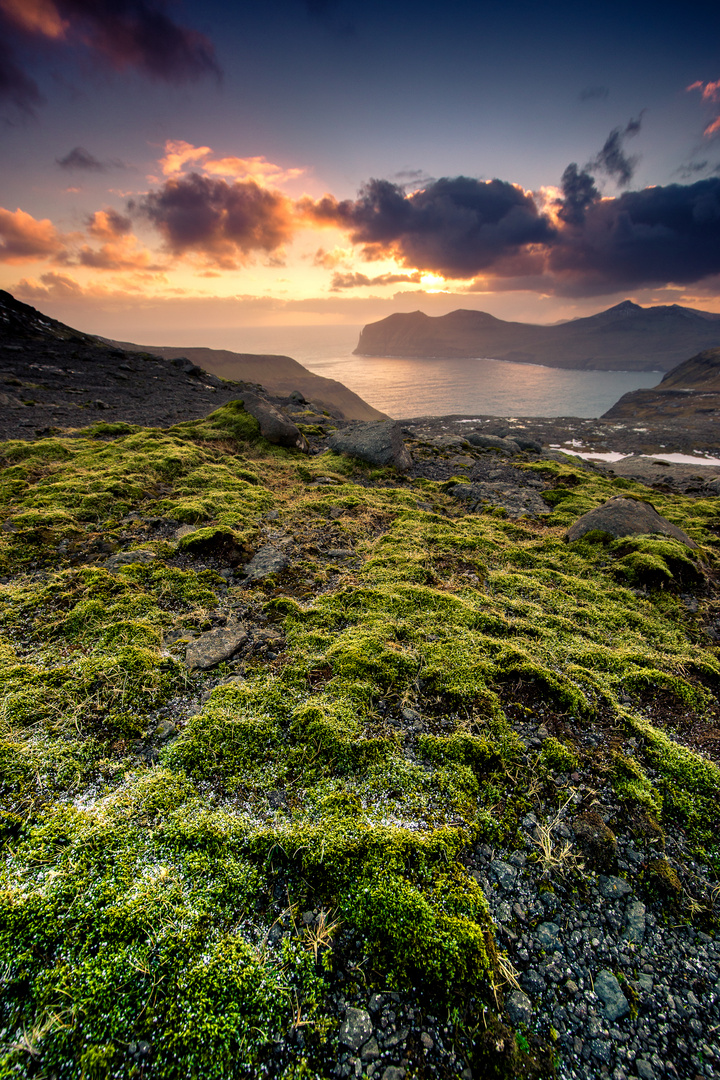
171,168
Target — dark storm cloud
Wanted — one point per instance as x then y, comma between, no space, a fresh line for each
612,159
654,236
594,93
16,88
140,34
122,33
455,226
579,190
354,281
224,221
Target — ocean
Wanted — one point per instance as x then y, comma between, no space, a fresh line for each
409,387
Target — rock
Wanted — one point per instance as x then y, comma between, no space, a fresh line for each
613,887
644,1069
164,730
548,934
427,1041
186,366
504,873
493,442
184,530
519,1008
378,444
517,501
297,396
214,647
267,560
597,841
371,1050
608,990
274,427
626,517
393,1073
127,558
635,922
533,982
356,1029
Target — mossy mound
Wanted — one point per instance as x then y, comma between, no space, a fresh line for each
196,865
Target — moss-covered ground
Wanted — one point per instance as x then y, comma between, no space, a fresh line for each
192,905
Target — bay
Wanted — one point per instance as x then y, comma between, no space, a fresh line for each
404,387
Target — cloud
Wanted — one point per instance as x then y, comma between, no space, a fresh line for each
22,237
710,92
594,93
16,87
455,227
120,254
108,224
136,34
81,159
612,159
224,221
179,153
578,192
658,235
355,281
54,286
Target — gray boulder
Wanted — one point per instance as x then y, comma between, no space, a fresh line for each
516,501
378,444
519,1008
493,442
267,560
214,647
274,427
626,517
608,990
356,1029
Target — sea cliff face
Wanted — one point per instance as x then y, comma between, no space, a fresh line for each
623,338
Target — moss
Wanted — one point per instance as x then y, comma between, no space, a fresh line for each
558,756
632,785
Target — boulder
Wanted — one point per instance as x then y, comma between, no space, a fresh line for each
186,366
214,647
493,442
267,560
274,427
356,1029
378,444
516,501
608,990
126,558
626,517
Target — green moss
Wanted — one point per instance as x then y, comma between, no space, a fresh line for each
557,756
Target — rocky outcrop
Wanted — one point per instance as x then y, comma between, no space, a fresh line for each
626,517
274,427
690,390
378,444
215,646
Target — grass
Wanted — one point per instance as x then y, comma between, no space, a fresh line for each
151,892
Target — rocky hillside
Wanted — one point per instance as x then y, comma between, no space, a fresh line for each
54,377
367,756
626,337
689,392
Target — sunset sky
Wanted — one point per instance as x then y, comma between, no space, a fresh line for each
168,166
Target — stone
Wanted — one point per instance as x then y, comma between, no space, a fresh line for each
644,1069
393,1073
519,1008
165,730
427,1040
378,444
493,442
357,1028
626,517
548,935
214,647
612,888
267,560
186,366
371,1050
635,922
608,990
515,500
533,981
184,530
274,427
504,873
127,558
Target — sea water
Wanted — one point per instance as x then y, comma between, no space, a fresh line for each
404,387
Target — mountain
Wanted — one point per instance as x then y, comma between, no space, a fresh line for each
53,376
626,337
691,389
280,376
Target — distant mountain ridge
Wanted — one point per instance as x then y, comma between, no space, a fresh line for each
626,337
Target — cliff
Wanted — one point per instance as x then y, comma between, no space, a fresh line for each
626,337
690,390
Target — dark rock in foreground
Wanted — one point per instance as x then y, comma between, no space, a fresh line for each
626,517
378,444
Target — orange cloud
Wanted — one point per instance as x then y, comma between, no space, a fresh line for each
712,128
119,254
179,153
22,237
36,17
710,90
107,224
